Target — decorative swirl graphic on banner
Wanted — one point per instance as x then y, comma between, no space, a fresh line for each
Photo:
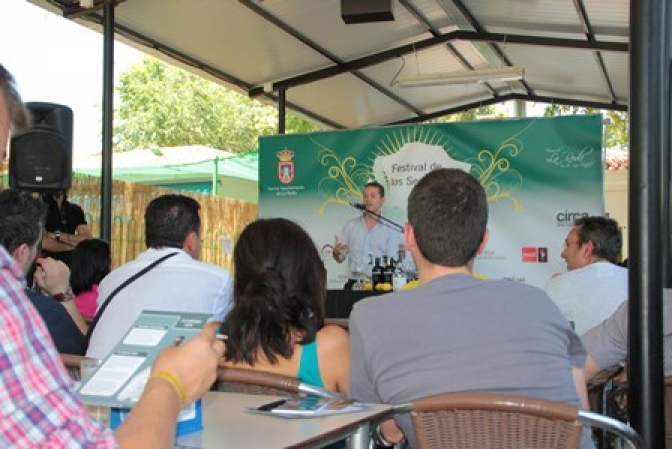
343,180
494,172
345,176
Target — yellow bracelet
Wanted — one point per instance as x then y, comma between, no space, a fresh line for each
175,381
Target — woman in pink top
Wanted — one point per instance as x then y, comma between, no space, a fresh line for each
91,262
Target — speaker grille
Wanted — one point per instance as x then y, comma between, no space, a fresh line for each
40,160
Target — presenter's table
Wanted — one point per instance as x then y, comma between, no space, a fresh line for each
339,302
227,425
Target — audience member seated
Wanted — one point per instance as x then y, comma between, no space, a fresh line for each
455,332
607,343
21,223
277,320
91,262
179,283
39,405
595,284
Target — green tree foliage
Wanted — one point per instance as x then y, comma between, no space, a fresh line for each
616,132
467,116
163,106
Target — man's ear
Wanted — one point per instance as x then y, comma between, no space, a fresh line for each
484,241
587,250
409,237
190,245
21,254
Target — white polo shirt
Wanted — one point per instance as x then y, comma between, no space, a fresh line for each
178,284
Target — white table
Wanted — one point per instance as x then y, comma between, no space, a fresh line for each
227,425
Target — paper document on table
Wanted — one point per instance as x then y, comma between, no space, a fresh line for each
121,377
308,407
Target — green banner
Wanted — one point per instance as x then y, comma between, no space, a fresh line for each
539,175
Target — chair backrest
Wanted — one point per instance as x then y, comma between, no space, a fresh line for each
668,412
613,426
72,365
260,382
483,420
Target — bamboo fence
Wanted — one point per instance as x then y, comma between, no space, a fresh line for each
222,219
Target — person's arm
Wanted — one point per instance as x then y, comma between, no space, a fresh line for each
153,420
334,347
607,342
82,232
193,368
340,251
71,307
62,240
53,277
591,369
54,242
579,378
65,241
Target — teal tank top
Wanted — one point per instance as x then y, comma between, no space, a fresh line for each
309,369
309,372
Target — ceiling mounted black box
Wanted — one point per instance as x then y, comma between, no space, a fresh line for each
365,11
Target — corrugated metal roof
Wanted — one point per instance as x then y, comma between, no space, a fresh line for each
573,52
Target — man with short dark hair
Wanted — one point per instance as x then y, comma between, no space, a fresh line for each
367,233
21,223
454,332
594,285
180,283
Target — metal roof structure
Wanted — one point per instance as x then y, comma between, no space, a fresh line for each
572,51
600,53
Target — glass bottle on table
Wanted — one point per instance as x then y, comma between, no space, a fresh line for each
368,271
377,275
388,271
357,268
398,277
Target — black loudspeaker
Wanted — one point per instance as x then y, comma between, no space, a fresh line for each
40,157
364,11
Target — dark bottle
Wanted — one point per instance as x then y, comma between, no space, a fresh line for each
388,271
377,274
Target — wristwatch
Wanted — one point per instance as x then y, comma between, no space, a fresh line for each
65,296
57,236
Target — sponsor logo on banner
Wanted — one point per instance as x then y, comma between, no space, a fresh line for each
533,254
489,254
519,279
566,218
285,166
529,253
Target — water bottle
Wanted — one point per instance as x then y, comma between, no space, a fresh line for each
398,278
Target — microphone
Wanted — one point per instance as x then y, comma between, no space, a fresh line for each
396,226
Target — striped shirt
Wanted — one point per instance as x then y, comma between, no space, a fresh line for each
38,406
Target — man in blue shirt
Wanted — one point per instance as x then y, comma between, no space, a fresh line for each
367,233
